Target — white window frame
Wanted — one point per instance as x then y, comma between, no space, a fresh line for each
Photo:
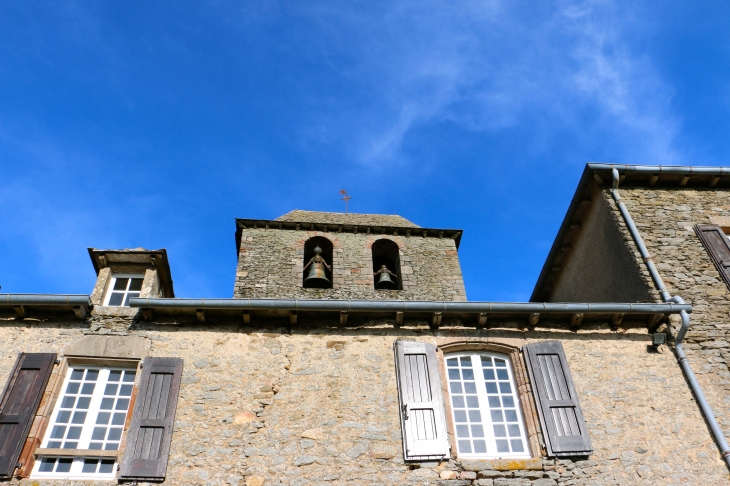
484,408
92,413
126,292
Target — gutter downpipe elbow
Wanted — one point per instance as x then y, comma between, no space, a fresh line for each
678,349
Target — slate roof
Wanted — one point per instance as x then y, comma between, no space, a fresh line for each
300,216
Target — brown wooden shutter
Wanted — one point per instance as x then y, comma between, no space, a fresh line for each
19,404
421,402
150,433
717,246
564,429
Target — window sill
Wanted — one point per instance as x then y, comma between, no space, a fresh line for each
103,310
42,451
502,464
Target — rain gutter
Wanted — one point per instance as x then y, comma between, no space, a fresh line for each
678,349
410,306
45,299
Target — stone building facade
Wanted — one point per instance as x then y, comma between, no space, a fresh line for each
308,391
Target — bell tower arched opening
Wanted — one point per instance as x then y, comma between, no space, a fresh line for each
386,265
317,272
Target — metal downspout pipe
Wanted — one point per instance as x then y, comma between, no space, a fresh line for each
678,350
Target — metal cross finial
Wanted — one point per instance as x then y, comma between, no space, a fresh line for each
345,198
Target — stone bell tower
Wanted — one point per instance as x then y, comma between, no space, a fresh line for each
317,255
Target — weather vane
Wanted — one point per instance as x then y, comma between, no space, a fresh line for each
345,198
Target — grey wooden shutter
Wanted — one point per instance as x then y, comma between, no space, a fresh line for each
421,402
717,246
561,418
150,431
19,404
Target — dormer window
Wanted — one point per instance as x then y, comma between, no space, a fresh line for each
122,288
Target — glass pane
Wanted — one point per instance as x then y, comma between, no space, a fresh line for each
118,419
499,431
121,283
472,401
74,433
452,362
499,363
63,417
502,374
466,361
47,464
54,445
497,416
517,445
70,445
475,416
491,387
462,431
77,375
122,404
136,284
116,298
480,447
465,446
99,433
494,402
502,446
486,361
114,434
72,388
103,418
58,432
454,374
125,390
64,465
107,466
477,431
111,446
129,376
504,387
514,430
68,402
111,389
457,401
455,387
92,375
470,387
508,401
488,374
130,296
90,465
511,415
79,418
468,373
88,389
107,403
83,403
114,375
460,415
95,446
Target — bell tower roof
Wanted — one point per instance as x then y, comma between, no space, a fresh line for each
299,216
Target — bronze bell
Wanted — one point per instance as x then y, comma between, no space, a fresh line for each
317,277
384,281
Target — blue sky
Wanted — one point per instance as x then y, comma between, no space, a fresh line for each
155,124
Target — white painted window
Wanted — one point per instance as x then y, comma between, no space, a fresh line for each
485,408
122,288
89,416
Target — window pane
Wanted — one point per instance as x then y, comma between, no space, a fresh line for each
465,361
68,402
83,403
63,417
494,402
488,374
477,431
103,418
470,387
514,430
72,388
456,387
116,299
122,404
517,445
475,416
457,401
460,416
64,464
47,464
452,362
129,376
115,433
136,284
111,389
77,375
508,401
92,375
465,446
111,446
454,374
480,447
114,375
502,446
121,283
499,431
462,431
497,416
58,432
502,374
468,374
96,446
125,390
88,389
79,418
90,465
499,363
107,466
491,387
504,387
511,415
119,418
99,433
70,445
472,401
74,433
107,403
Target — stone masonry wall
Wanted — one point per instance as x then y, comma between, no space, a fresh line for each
271,262
318,405
666,218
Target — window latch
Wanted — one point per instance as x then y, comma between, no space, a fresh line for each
405,411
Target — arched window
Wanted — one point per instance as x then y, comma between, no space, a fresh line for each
317,263
485,406
385,252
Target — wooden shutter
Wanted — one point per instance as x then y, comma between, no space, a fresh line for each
19,404
717,246
421,402
562,421
150,432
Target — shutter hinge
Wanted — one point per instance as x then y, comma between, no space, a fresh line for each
19,465
58,361
405,411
